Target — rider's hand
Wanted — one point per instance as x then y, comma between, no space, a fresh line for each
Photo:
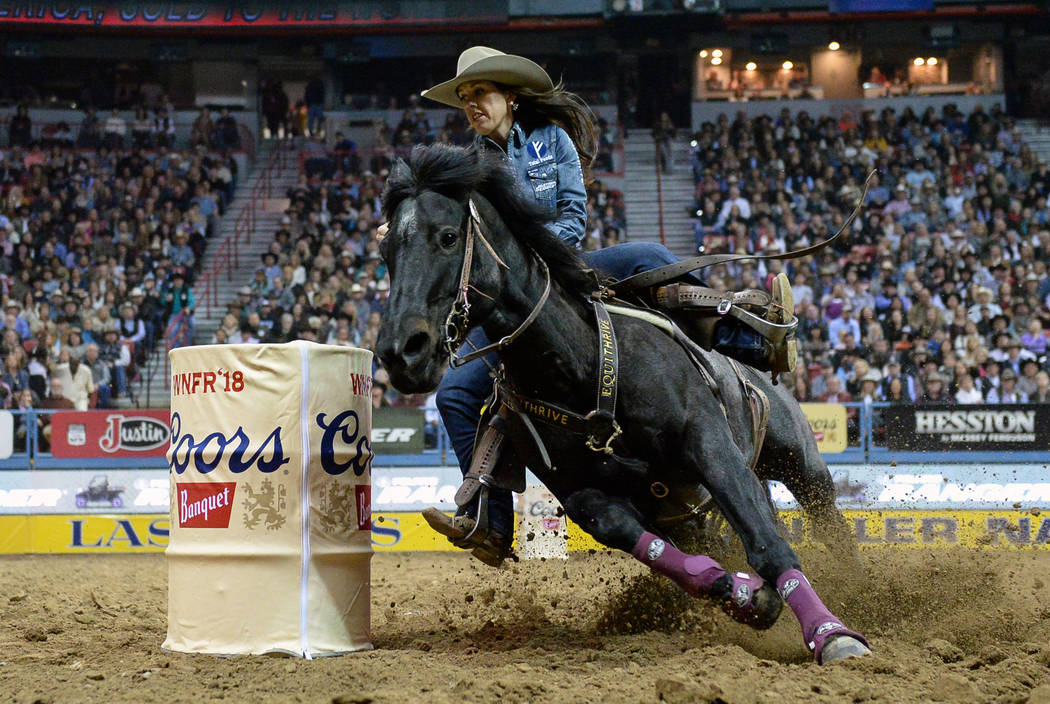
381,231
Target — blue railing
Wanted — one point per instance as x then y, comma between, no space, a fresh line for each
865,447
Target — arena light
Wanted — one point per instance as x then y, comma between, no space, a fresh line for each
787,65
703,53
919,61
834,46
717,53
751,66
716,61
932,61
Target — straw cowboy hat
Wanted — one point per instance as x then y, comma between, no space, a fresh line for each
480,63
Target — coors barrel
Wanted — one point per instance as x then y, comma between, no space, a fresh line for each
270,476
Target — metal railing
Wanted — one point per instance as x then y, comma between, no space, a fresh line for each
30,451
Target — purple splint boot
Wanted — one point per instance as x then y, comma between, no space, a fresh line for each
744,596
823,632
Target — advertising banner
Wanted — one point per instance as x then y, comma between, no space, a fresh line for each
397,431
83,491
953,428
107,434
199,15
828,421
405,532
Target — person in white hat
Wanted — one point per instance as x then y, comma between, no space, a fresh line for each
548,135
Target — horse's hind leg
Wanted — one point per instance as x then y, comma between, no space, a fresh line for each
800,468
743,501
614,522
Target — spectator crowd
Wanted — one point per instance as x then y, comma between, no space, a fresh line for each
939,291
97,252
322,277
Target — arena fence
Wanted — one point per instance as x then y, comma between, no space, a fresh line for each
866,441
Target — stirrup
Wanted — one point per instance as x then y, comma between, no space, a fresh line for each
782,312
465,532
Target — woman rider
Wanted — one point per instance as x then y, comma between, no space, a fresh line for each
548,136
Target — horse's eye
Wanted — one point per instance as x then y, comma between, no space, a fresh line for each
449,238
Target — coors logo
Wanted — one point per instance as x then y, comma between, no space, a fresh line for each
135,433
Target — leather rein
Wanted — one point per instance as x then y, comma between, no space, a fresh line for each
457,324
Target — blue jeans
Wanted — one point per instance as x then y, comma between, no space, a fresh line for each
463,390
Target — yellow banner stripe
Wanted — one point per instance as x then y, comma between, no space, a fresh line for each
108,533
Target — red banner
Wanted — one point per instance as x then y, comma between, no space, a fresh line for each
131,433
168,15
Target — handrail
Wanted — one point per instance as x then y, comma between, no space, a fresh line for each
228,255
659,193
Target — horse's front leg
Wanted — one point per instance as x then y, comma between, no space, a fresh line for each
742,499
616,523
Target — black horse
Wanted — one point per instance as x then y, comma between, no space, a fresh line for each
682,437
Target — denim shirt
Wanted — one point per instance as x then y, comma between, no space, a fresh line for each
546,161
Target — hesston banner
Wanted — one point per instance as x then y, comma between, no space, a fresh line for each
169,15
132,433
988,427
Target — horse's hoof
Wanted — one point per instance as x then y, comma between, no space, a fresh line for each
768,605
842,647
756,607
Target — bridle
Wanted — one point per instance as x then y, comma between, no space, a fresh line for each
457,324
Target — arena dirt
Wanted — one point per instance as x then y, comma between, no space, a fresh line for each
945,626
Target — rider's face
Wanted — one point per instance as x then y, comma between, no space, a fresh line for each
487,108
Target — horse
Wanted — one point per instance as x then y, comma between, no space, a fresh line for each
682,424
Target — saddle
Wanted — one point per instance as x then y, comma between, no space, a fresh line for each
511,415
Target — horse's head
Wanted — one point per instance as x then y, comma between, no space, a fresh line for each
428,206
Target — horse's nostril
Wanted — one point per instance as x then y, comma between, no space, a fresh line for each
415,346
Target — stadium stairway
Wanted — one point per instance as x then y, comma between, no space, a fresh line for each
1037,136
152,391
640,193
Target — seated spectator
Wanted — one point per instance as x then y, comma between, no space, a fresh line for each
1007,391
1042,389
117,358
968,393
101,377
26,402
935,389
75,378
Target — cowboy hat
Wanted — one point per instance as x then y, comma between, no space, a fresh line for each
480,63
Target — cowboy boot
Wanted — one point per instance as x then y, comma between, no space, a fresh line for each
491,548
760,332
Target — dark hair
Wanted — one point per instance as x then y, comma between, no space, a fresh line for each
564,109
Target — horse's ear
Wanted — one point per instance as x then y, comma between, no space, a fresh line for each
400,171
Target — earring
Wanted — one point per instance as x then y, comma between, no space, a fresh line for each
514,105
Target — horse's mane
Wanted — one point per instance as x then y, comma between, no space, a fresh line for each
456,172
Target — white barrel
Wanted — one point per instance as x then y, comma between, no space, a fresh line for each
270,467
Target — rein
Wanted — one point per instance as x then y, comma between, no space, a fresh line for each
457,324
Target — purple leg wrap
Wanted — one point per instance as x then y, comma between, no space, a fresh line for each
693,573
818,623
698,574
